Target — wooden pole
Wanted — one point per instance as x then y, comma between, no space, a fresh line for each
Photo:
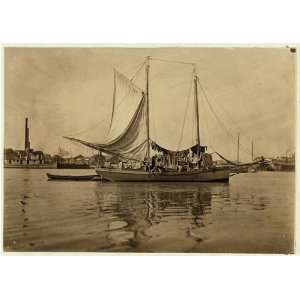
238,148
147,111
197,108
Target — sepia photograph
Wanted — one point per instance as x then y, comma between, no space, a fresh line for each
149,149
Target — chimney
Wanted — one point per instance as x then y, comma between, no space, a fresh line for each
28,140
27,143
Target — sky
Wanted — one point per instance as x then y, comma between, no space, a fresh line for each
68,91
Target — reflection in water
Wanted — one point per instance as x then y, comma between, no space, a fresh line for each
140,210
25,219
200,207
253,213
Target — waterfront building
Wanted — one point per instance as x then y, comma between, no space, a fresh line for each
27,158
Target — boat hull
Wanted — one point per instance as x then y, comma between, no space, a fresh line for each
72,177
142,176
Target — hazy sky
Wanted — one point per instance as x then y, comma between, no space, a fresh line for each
68,91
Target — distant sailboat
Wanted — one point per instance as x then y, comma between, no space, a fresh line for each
129,137
62,152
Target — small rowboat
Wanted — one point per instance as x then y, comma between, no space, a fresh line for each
74,177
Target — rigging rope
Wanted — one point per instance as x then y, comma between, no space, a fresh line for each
108,115
172,61
155,136
230,118
206,124
185,113
223,109
218,119
138,70
206,98
213,111
208,131
186,108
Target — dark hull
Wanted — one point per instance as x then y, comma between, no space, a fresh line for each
142,176
73,177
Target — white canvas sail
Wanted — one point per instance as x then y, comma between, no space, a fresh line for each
126,99
127,135
131,142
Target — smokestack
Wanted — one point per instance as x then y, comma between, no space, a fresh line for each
26,123
28,140
27,143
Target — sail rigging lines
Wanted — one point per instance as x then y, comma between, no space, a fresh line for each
218,119
185,114
212,109
138,70
229,117
206,96
243,148
173,61
132,91
109,115
190,64
130,144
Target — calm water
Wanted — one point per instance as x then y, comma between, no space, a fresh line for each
253,213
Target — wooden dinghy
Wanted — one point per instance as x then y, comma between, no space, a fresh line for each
74,177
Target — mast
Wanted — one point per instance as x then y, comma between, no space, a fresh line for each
114,98
252,150
238,148
197,108
147,110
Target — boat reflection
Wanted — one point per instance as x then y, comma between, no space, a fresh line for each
134,216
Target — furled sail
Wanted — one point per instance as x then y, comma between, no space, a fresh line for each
127,135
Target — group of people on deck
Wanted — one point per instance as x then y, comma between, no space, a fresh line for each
167,161
159,163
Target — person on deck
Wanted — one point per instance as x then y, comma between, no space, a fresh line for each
195,162
179,168
153,163
146,164
159,164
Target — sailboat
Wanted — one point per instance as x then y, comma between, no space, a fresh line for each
129,138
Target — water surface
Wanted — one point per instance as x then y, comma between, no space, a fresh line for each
251,214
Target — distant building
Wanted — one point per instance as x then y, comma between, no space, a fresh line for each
284,163
28,157
76,162
11,156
